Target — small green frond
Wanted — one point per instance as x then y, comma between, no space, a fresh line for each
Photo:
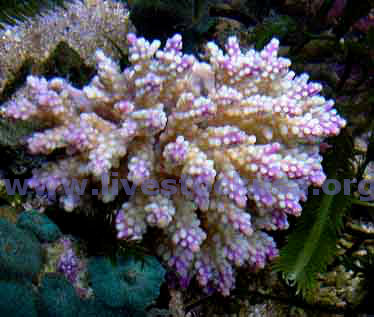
312,245
13,11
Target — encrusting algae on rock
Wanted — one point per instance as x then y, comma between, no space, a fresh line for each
84,26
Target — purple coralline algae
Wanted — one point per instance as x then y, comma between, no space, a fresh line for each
66,257
235,140
69,265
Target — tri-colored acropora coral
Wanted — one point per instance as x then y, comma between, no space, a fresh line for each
240,129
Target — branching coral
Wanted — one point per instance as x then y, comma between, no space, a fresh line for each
234,143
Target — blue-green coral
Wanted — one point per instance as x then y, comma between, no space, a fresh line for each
58,297
17,300
40,225
143,280
129,282
20,252
95,308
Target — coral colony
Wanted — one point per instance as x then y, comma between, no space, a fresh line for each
241,123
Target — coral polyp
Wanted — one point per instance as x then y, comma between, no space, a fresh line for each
226,147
